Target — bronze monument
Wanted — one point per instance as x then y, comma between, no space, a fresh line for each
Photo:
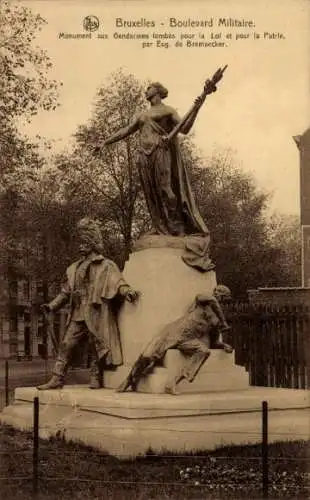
93,288
163,175
193,334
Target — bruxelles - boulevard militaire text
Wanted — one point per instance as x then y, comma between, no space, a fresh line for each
186,23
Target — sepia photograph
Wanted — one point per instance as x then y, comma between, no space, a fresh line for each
155,249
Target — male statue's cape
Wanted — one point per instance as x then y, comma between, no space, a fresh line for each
100,310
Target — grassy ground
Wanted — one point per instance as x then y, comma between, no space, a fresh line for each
68,470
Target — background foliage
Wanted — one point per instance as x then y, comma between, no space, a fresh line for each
40,202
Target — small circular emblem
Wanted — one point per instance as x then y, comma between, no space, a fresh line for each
91,23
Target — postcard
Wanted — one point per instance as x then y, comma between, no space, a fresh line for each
155,227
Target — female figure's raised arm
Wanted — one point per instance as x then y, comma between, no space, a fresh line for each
123,132
189,122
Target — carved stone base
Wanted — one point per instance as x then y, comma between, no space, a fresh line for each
219,373
126,425
168,286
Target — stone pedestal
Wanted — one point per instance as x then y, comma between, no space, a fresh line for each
219,373
129,424
168,286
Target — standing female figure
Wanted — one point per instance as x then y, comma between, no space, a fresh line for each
163,175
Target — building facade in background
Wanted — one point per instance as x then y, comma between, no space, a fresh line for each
23,333
303,144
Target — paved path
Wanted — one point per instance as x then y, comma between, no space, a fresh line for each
21,372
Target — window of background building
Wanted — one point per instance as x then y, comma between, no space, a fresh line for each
40,332
39,287
27,317
13,324
26,290
13,287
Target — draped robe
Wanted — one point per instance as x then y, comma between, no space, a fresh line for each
161,168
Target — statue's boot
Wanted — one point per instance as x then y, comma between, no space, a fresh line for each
172,390
171,386
221,345
124,385
56,382
228,348
95,382
225,327
141,367
60,369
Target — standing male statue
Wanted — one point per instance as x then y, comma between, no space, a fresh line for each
94,287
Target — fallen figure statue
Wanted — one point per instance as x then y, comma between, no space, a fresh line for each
193,334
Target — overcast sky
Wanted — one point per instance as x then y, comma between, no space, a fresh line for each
261,103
